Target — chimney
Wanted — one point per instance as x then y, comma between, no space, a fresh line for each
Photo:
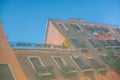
74,19
80,19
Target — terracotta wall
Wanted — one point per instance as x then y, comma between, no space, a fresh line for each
7,56
54,36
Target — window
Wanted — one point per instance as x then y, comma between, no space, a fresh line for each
78,44
5,72
75,42
104,42
80,62
35,61
59,61
95,43
63,26
74,26
95,64
79,27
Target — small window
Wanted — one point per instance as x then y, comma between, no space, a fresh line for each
80,62
95,64
95,43
35,62
59,61
63,26
5,72
75,42
75,27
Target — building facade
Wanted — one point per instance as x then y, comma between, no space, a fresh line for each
72,50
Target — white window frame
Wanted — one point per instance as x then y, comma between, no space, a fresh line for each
35,57
56,61
75,62
65,27
80,27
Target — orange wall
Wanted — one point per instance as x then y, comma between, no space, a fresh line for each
54,36
7,56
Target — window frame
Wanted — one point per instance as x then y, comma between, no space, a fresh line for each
41,62
56,61
65,27
10,68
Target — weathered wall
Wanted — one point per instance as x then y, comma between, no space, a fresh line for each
54,36
7,56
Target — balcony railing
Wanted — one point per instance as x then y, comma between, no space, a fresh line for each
36,46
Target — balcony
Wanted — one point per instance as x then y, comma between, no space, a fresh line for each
46,72
68,71
26,45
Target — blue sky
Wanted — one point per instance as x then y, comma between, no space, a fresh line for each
25,20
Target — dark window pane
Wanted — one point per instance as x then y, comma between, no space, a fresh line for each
35,61
5,73
59,61
79,61
75,42
75,27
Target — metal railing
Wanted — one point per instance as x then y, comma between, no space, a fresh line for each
36,45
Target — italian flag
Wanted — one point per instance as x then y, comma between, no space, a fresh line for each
109,34
94,33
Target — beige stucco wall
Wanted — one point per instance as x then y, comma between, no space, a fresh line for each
54,36
7,56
